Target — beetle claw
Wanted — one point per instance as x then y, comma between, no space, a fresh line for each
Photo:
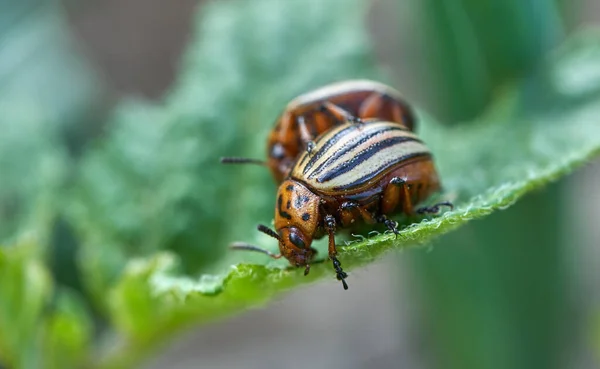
339,273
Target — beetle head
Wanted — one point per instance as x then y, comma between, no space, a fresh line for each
295,246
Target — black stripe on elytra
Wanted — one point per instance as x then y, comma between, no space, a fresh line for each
332,141
372,174
362,157
351,146
282,212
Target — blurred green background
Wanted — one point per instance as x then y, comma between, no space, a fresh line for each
87,87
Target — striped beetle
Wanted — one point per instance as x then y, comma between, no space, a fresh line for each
306,117
361,171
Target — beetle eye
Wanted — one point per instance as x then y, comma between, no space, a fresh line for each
296,240
277,151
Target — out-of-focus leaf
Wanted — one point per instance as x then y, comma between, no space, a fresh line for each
40,64
33,332
67,332
474,47
486,166
33,166
506,309
25,289
596,335
46,91
49,95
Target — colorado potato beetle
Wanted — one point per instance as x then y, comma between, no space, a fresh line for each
307,116
355,172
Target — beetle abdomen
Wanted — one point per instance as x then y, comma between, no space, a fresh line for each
351,156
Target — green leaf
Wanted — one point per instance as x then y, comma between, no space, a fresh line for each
483,316
33,167
46,90
39,326
596,333
25,288
49,96
468,58
67,332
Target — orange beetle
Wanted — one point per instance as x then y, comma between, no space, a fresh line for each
354,172
315,112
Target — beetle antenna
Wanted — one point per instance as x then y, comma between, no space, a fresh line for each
268,231
248,247
235,160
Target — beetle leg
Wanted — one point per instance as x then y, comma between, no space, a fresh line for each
371,107
390,224
435,208
341,115
382,105
306,137
347,213
397,116
340,274
395,192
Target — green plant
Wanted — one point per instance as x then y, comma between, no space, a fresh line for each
151,210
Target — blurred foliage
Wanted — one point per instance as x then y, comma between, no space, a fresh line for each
596,335
477,46
506,309
513,290
36,121
41,325
153,210
50,98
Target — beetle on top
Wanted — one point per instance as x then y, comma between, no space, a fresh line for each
306,117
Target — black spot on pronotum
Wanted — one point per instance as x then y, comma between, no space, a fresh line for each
299,201
282,212
306,217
